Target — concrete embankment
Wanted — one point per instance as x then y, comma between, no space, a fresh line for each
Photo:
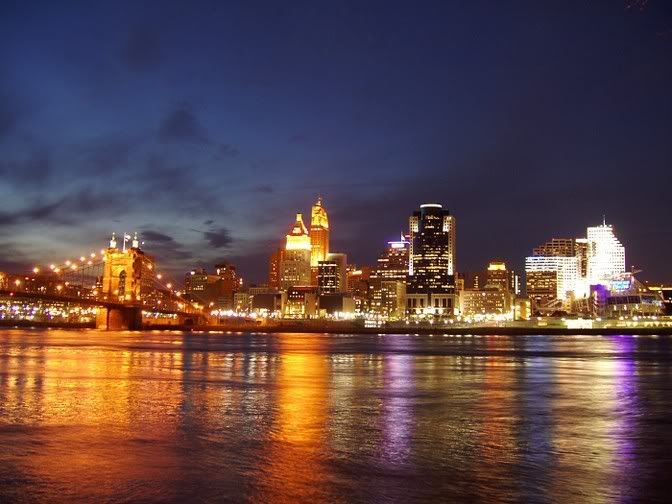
319,326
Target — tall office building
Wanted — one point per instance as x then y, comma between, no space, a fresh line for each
319,234
393,263
431,267
341,261
388,280
552,277
295,263
606,255
328,278
274,268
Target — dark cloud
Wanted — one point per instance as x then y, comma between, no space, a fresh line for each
208,222
11,258
156,237
108,154
169,252
36,168
177,185
182,125
142,50
218,238
70,209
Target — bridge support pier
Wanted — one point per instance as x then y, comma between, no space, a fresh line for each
119,318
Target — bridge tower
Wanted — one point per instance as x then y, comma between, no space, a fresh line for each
127,276
127,273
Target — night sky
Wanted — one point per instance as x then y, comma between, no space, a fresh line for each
207,125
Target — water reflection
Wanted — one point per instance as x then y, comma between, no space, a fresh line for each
309,418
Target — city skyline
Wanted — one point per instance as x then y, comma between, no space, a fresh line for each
203,129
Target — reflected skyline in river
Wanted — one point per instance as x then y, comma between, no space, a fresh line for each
162,416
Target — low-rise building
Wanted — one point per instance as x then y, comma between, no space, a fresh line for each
488,301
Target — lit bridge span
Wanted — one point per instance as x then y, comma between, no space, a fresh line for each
123,284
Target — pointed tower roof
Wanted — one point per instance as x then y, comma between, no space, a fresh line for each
298,237
318,216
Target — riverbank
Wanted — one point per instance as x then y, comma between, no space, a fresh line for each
47,324
353,327
357,327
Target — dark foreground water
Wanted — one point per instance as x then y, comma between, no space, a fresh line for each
143,417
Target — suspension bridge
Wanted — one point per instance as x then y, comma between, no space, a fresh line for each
121,286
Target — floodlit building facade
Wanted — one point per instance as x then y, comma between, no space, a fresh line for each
295,263
606,255
545,272
319,233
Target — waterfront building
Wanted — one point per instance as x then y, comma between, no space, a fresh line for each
545,272
557,247
328,278
522,308
274,267
388,280
499,276
242,301
606,255
299,302
665,292
359,286
431,277
339,304
341,261
319,234
485,302
227,284
196,282
541,287
295,263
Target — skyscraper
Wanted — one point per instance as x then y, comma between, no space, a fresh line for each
319,234
388,280
606,255
274,267
328,279
431,280
295,263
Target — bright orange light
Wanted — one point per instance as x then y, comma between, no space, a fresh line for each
36,270
169,285
59,288
17,282
68,262
159,276
52,266
82,259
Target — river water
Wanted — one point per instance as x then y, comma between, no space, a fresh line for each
89,416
